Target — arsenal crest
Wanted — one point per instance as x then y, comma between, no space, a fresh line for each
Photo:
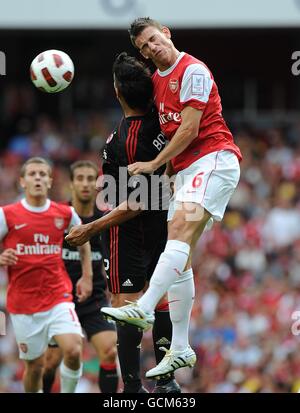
173,85
59,223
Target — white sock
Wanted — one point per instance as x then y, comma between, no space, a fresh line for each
181,297
168,269
69,378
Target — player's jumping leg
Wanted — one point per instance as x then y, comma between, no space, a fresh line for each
71,368
181,297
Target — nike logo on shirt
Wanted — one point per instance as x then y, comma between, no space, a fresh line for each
20,226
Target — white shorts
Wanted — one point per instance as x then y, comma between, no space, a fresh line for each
35,331
210,181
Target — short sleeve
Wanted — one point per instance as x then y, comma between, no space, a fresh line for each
75,220
196,86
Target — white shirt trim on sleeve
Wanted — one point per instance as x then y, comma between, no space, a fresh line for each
75,220
196,83
3,224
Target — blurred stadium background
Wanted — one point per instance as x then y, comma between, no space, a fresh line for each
247,269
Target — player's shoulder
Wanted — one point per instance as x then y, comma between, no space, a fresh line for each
149,125
151,115
61,207
96,215
136,125
191,64
14,207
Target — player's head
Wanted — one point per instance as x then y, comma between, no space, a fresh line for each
83,180
132,80
36,177
153,41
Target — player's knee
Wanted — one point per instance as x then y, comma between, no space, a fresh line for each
177,230
181,230
35,368
109,354
73,353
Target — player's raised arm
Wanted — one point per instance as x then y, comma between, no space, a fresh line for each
185,134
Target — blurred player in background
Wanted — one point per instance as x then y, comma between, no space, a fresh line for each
99,332
206,161
133,239
39,296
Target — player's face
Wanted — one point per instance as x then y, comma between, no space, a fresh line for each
84,184
157,46
36,180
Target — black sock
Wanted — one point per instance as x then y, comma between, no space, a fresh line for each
129,340
162,336
108,378
48,380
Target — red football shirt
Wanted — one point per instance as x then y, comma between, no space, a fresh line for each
39,280
190,83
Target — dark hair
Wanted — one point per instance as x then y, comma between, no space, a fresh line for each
82,164
133,81
35,159
138,25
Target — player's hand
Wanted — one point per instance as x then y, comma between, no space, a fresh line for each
138,168
84,288
78,235
8,257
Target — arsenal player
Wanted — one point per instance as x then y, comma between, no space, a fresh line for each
39,296
206,160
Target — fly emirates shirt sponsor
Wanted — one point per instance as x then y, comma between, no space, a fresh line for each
38,281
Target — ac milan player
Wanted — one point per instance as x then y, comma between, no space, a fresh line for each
39,296
206,160
99,331
133,239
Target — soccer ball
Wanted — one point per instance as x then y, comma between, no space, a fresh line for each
52,71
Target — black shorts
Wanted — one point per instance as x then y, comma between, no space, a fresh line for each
131,251
94,323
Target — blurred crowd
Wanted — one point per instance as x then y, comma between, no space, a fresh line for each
247,268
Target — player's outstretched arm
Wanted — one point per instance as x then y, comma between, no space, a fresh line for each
82,233
84,286
8,257
187,131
